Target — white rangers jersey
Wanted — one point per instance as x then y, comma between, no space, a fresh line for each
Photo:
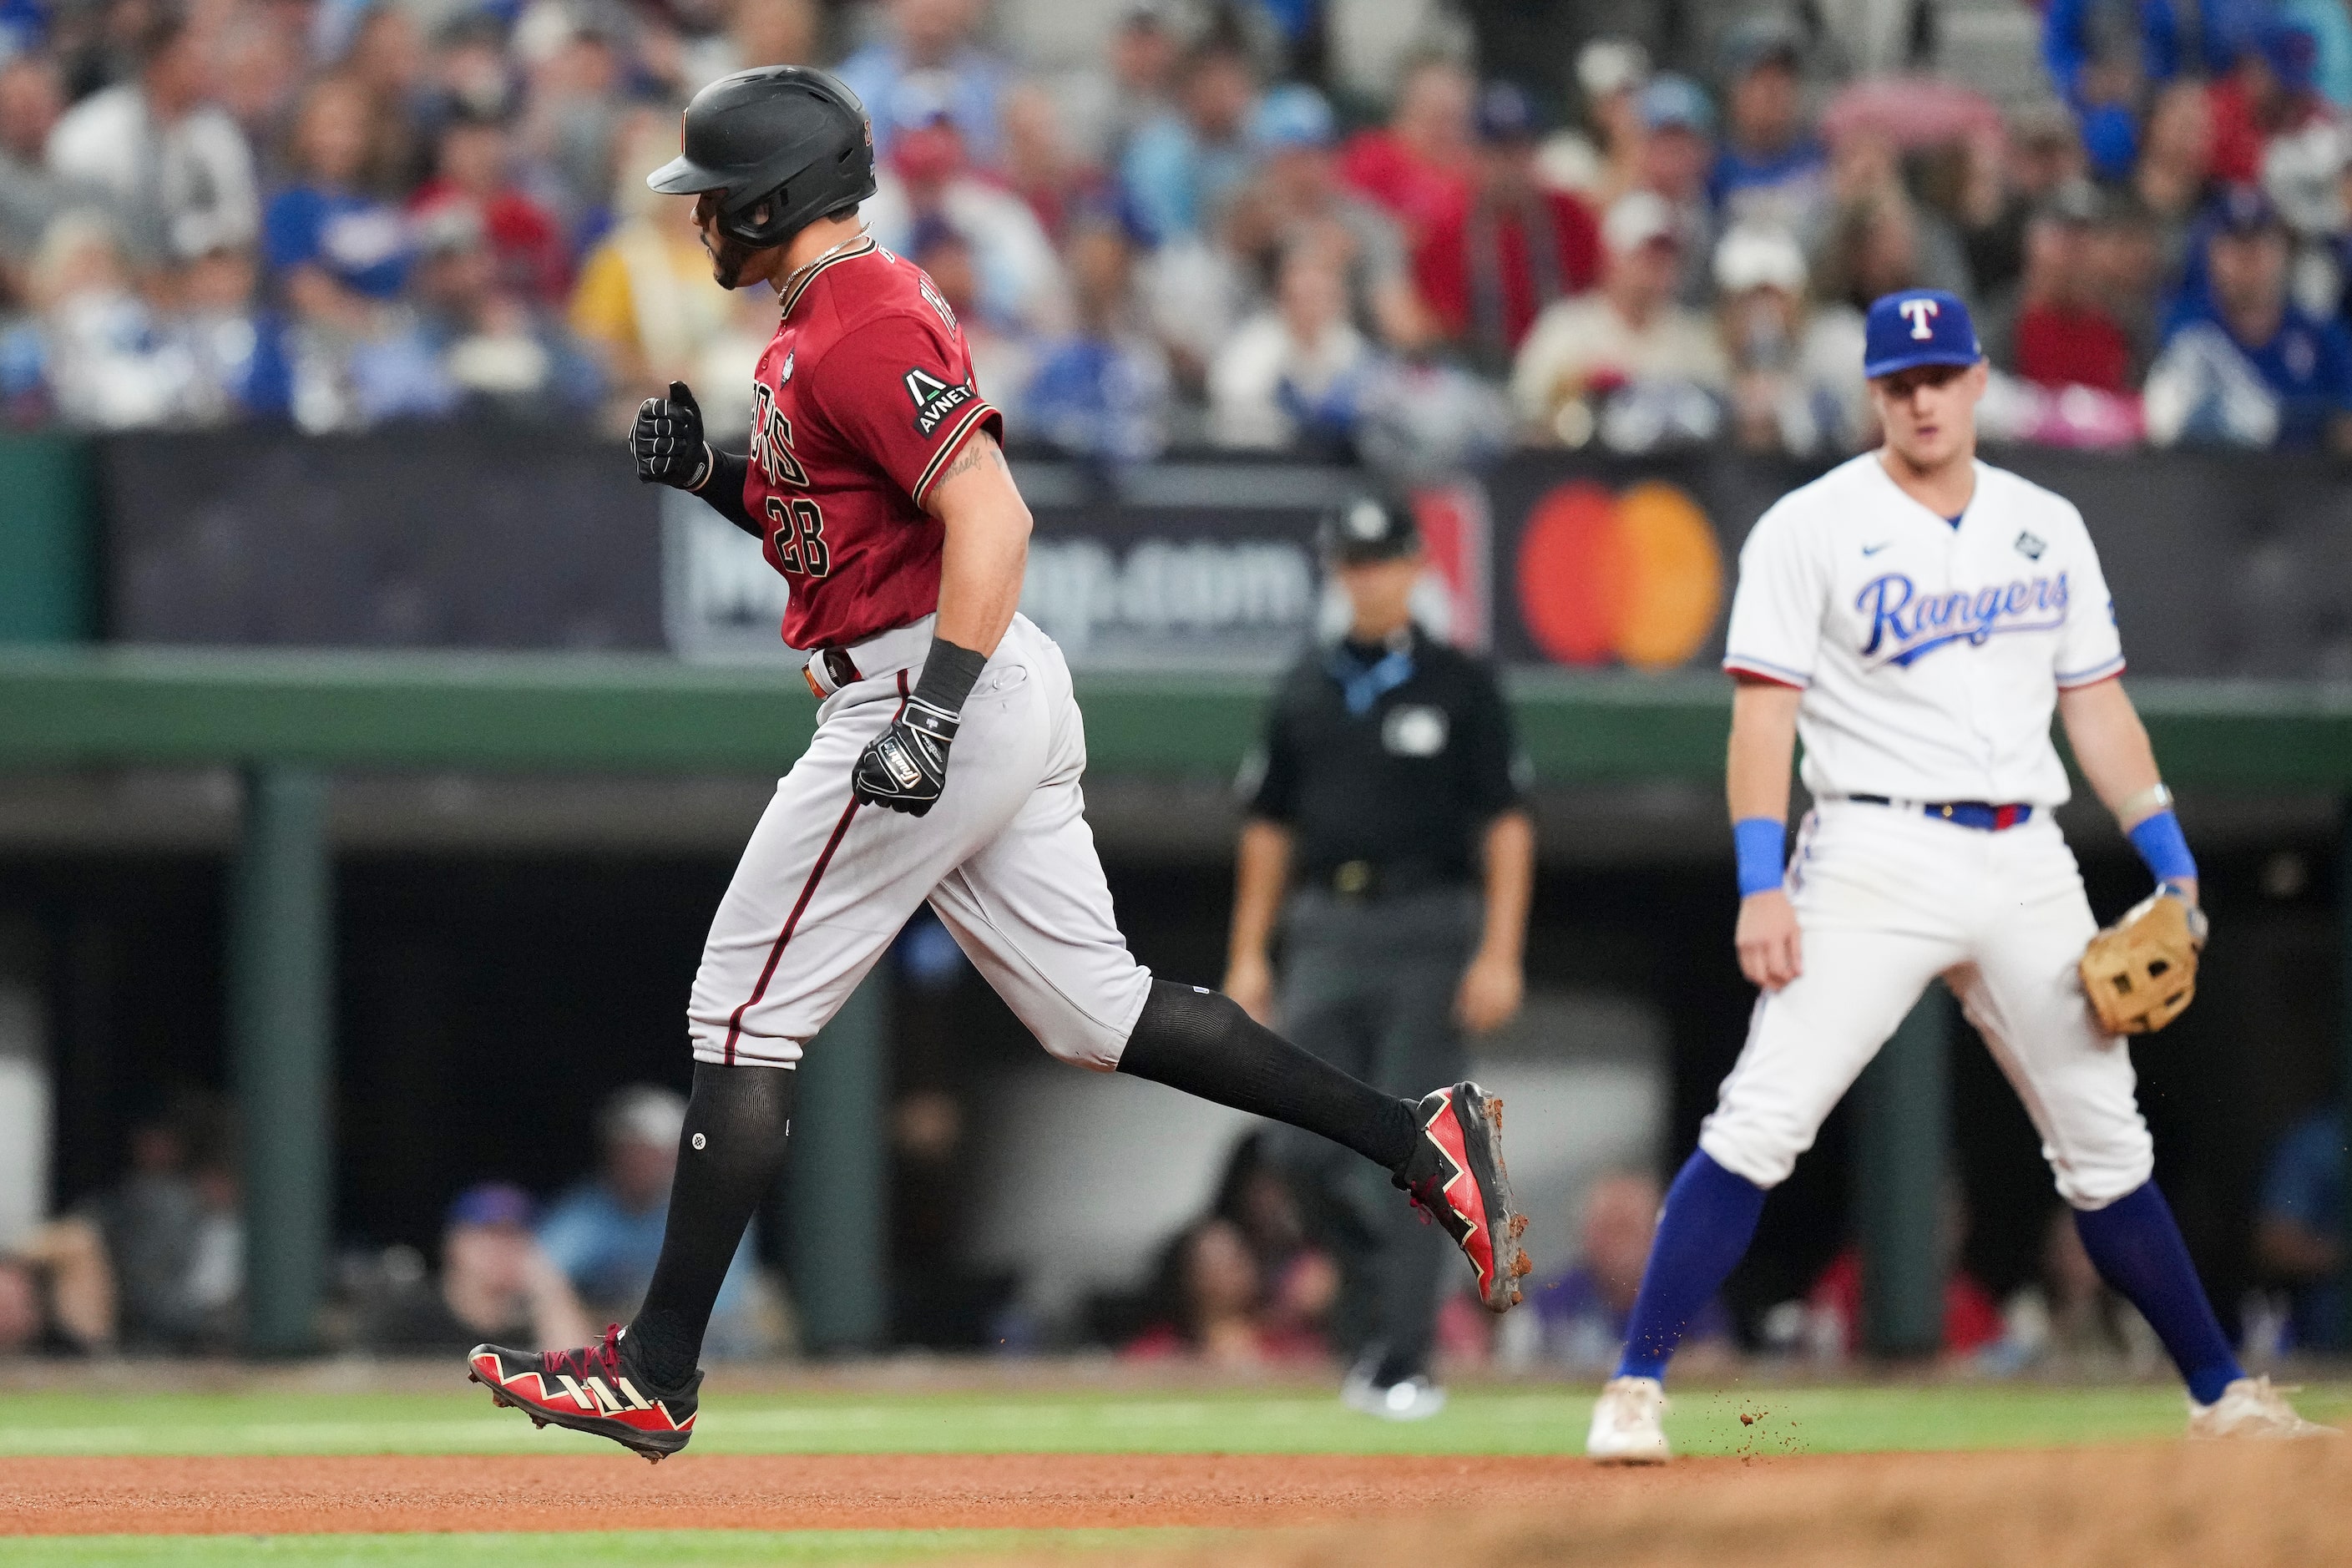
1930,652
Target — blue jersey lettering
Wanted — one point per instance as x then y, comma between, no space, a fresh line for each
1907,625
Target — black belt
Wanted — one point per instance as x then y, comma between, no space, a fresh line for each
839,668
1371,879
1981,814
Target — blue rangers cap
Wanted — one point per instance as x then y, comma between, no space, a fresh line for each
1917,327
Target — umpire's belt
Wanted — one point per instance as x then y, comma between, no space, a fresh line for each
1981,814
1373,879
887,653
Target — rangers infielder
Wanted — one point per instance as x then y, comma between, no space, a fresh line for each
1914,616
874,484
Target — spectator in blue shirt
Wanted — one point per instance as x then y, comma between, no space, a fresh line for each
2103,54
336,261
1104,391
2330,26
1772,171
335,252
2299,1227
1583,1309
605,1232
1182,164
931,39
2242,363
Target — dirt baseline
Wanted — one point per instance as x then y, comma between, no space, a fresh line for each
831,1491
2149,1505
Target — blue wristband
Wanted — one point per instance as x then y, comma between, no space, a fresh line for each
1761,843
2164,847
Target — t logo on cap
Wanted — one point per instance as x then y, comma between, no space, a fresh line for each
1917,327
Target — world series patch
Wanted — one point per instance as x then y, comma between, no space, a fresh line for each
934,400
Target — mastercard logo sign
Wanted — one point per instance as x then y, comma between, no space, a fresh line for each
1635,577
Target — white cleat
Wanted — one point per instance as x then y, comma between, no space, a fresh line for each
1414,1399
2251,1407
1626,1427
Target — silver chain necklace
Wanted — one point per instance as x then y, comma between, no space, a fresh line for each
784,290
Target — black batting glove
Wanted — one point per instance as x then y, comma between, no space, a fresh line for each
667,443
905,767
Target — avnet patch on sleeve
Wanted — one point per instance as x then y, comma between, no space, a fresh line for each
935,399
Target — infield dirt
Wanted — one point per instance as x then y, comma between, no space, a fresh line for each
2146,1506
820,1492
2151,1506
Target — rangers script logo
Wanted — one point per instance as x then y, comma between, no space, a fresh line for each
1905,626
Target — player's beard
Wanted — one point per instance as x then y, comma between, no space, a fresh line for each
728,254
727,260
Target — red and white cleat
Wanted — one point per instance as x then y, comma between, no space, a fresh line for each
1455,1175
593,1389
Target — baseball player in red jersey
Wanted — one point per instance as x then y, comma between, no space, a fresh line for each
876,485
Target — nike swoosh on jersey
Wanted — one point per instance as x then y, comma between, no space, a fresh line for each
1875,549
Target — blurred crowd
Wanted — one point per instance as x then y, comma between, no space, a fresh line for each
1248,1284
339,212
154,1264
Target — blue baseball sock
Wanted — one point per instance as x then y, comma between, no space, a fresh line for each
1709,1219
2138,1248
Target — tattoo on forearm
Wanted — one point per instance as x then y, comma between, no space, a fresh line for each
980,449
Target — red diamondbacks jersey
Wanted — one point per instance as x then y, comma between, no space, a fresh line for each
862,399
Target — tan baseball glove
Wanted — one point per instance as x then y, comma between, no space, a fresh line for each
2141,972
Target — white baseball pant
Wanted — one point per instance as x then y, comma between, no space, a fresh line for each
1888,898
1005,856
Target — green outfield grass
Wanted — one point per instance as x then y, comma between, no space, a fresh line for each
1510,1419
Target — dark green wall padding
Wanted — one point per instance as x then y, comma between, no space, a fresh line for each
158,706
47,588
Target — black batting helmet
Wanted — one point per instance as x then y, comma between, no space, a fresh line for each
784,145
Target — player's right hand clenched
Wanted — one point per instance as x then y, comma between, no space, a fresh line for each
1770,947
906,766
667,440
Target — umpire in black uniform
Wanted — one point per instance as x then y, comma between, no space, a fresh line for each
1389,810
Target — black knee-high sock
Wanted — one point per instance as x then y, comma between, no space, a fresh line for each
1201,1042
728,1154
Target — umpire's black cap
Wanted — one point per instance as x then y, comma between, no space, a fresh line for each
784,145
1366,527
